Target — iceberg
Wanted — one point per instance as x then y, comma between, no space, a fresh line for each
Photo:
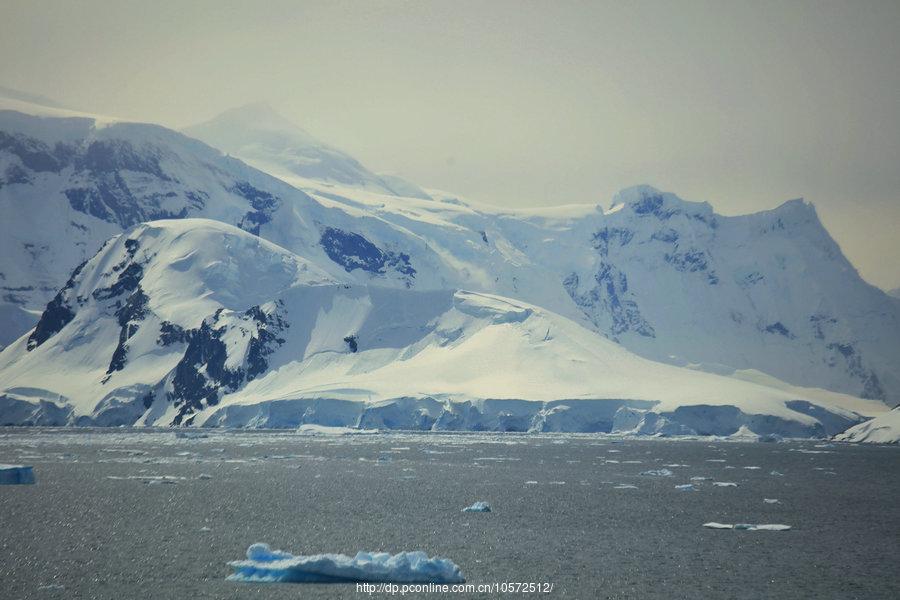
16,475
658,473
478,507
266,565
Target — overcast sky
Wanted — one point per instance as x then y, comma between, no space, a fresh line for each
744,105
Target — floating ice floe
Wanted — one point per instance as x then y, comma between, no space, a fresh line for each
478,507
266,565
149,479
701,478
771,501
724,484
16,475
625,486
657,473
748,526
687,487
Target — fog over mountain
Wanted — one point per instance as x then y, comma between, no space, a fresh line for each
521,104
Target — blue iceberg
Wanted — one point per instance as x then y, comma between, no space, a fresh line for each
266,565
16,475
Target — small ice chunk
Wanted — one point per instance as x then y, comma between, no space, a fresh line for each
658,473
724,484
776,474
701,478
761,527
16,475
478,507
771,501
531,482
204,528
753,468
687,487
266,565
204,476
748,526
625,486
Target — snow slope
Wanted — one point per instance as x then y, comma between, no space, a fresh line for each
884,429
197,322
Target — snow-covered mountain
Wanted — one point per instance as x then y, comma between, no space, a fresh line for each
664,278
669,279
261,137
673,281
68,183
197,322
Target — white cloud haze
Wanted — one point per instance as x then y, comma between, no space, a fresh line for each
743,104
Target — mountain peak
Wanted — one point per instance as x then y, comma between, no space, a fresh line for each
646,199
251,123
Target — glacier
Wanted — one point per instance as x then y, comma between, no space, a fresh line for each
266,565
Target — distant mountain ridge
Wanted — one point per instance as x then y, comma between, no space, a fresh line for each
258,135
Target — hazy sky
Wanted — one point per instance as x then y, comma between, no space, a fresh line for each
742,104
